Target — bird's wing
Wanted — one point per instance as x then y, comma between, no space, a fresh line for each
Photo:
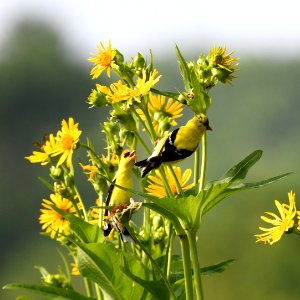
109,193
170,152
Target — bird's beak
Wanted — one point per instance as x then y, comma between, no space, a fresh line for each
132,155
208,128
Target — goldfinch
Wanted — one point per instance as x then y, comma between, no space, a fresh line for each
177,145
119,198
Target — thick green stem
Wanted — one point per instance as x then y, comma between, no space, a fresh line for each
169,251
203,163
88,287
98,292
187,268
195,263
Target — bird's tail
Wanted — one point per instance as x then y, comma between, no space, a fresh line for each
148,165
124,233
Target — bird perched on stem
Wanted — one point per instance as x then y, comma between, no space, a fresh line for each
177,145
118,198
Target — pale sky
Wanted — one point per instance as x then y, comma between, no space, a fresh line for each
252,27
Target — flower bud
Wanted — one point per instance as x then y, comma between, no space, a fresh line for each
96,98
56,173
119,58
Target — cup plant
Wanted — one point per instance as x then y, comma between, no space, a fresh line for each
166,208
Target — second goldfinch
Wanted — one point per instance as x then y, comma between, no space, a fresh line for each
179,144
118,198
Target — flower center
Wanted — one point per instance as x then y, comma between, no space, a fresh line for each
67,142
105,59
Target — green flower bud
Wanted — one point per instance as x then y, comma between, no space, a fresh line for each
157,221
139,61
96,99
56,173
55,280
111,127
119,58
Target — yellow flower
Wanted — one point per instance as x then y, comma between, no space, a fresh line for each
218,58
103,60
143,85
52,222
282,223
118,92
94,212
66,141
162,111
156,187
91,170
75,270
43,157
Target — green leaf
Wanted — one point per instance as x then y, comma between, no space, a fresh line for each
49,292
165,93
218,268
201,101
101,263
46,183
184,69
240,170
85,231
156,288
220,190
183,212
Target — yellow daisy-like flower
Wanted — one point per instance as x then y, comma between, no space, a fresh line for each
118,92
103,60
66,141
156,187
52,222
160,110
43,157
282,223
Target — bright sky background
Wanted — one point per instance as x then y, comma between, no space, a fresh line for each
252,27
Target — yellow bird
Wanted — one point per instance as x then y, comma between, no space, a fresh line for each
118,198
177,145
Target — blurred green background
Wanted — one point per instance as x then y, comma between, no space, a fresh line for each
41,83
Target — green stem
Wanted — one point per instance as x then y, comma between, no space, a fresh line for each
88,287
101,204
203,163
196,267
197,166
187,268
81,202
165,182
177,183
142,142
98,292
169,251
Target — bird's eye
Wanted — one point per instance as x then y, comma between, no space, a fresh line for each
126,154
